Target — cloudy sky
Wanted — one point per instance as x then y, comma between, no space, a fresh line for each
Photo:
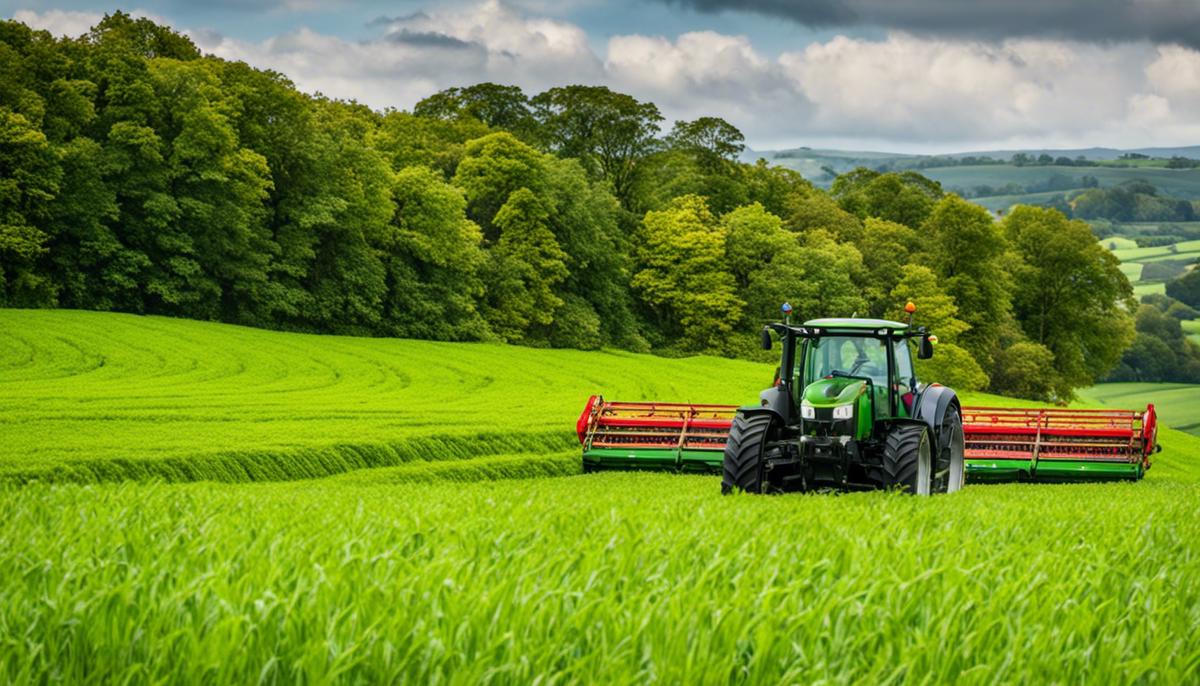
905,75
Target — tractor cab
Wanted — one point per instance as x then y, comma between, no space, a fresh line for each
853,370
848,375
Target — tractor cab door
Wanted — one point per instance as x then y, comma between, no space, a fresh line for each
904,376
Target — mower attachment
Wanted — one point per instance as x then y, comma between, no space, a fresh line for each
650,435
1006,444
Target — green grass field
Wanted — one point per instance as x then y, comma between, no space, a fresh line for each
1178,183
442,565
87,396
1177,404
1192,329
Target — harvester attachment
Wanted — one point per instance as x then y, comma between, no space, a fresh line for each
651,435
1006,444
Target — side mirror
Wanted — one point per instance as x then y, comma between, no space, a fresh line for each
766,338
925,348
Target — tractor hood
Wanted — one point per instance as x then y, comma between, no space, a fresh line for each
833,391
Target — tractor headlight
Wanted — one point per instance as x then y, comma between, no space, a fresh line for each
843,411
807,411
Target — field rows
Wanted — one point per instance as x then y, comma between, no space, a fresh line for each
96,396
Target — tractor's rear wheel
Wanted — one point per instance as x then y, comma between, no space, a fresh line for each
742,467
948,470
908,459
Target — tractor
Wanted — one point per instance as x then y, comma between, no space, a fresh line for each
846,411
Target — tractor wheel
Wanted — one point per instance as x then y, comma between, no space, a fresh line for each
948,470
908,459
742,467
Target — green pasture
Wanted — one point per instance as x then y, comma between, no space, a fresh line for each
1178,183
97,396
1178,405
1140,289
1192,328
1119,243
1131,270
1166,252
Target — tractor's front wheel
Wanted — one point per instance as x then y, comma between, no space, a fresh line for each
908,459
742,467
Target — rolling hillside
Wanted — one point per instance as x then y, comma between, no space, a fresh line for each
87,396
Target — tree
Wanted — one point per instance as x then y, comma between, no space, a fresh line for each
492,169
29,181
951,364
1186,289
608,131
712,138
886,248
682,278
966,250
1069,295
496,106
903,197
432,255
527,265
1026,370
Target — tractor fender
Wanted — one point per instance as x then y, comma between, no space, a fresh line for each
775,400
931,406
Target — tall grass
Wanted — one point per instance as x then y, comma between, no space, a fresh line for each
609,578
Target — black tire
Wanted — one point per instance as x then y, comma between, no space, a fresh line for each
908,458
948,470
742,467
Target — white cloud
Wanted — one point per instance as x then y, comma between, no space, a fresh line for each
900,91
71,23
59,22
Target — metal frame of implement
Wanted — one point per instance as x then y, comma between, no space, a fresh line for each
1001,444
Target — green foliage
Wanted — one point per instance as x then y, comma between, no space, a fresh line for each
682,277
29,180
1068,294
1186,289
1026,370
951,364
608,131
527,265
905,197
966,250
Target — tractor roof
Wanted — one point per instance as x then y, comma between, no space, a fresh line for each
845,323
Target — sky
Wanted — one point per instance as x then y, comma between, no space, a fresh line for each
898,75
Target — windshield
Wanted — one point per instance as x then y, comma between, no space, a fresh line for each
853,356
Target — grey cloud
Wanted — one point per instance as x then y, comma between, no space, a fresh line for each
389,21
430,39
1159,21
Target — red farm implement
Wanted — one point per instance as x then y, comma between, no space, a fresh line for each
1004,444
1000,444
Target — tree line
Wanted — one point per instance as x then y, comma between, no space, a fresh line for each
142,176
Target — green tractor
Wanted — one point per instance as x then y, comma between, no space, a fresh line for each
847,412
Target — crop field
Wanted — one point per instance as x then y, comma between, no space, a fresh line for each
433,554
96,396
1177,404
